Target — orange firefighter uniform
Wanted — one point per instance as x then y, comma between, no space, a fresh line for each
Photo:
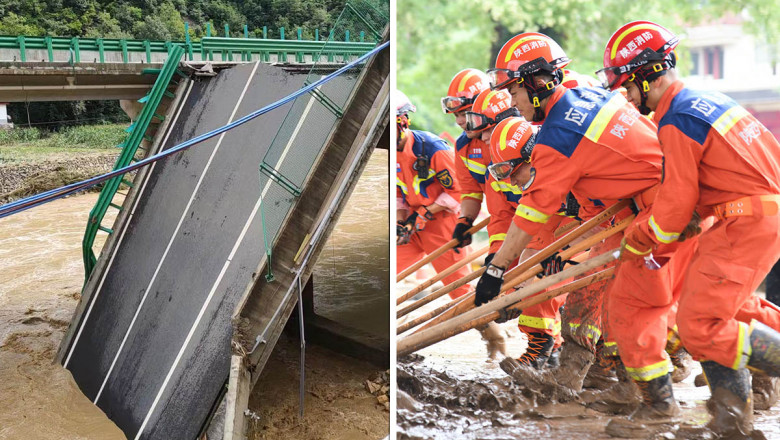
440,187
596,145
718,160
472,157
502,199
502,203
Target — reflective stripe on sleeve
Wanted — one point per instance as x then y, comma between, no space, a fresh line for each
660,234
477,196
404,188
601,121
531,214
474,166
728,119
497,237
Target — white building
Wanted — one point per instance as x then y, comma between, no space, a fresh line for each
727,59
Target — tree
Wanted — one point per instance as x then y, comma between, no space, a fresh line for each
438,38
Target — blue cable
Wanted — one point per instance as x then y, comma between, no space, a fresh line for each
47,196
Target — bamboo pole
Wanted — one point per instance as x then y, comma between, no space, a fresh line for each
576,249
419,320
423,301
532,264
443,274
438,252
427,337
563,230
567,254
537,299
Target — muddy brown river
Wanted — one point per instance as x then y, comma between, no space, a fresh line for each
42,274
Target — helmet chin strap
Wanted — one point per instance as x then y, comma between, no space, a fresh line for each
537,94
645,75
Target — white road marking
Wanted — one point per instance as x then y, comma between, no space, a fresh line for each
222,272
124,229
173,236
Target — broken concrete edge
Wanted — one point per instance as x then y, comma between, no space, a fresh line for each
120,223
251,354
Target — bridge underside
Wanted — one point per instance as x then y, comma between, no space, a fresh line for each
29,82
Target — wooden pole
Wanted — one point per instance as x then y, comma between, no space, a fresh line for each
416,341
567,254
438,252
443,274
419,320
536,299
576,249
533,264
423,301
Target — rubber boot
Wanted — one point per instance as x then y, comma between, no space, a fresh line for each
601,375
765,349
680,358
683,364
658,407
766,390
730,403
562,383
554,361
622,398
494,340
540,347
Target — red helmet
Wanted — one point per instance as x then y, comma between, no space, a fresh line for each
464,87
490,107
526,54
512,142
640,51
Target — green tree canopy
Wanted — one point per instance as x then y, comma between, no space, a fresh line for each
438,38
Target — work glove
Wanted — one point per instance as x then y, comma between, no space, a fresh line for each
552,265
488,259
692,229
420,217
489,284
403,232
506,315
460,232
635,244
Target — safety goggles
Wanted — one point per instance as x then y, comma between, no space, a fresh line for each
500,78
478,121
406,108
451,104
609,76
503,170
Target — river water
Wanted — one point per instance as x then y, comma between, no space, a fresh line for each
42,275
351,277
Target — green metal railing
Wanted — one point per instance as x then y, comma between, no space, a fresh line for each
371,17
247,47
137,132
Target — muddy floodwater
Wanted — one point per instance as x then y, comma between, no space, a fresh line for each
42,274
451,391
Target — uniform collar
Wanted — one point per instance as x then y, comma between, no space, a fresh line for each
408,142
666,100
